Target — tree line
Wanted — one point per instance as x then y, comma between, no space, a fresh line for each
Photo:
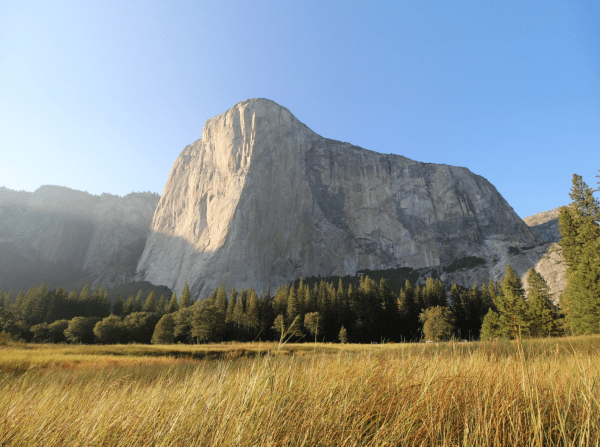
369,312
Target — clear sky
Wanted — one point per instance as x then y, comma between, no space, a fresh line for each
102,96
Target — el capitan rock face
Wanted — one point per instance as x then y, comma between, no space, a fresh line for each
261,200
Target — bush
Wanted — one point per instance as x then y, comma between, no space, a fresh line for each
437,323
110,330
140,326
56,331
164,333
40,332
81,330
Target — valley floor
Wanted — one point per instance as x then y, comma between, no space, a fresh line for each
538,392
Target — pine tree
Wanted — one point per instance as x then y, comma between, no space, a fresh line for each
129,306
293,308
491,327
173,306
280,300
343,335
542,314
580,242
434,293
409,312
8,299
84,295
161,307
221,300
150,305
118,306
252,314
229,317
308,298
267,315
239,314
390,320
138,303
458,310
186,299
104,303
279,326
511,305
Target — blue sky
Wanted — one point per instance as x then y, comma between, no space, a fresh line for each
103,96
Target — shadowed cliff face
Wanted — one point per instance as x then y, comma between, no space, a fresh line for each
261,200
60,236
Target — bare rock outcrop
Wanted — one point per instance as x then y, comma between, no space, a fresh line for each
261,200
545,224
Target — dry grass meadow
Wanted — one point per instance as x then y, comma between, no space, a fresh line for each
538,393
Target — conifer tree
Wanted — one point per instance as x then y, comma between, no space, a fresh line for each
104,304
491,327
372,309
293,307
221,300
8,299
343,335
118,306
138,303
230,317
150,305
231,305
511,305
409,312
487,301
252,314
458,310
239,314
542,314
267,315
580,242
390,318
129,306
84,295
161,307
279,326
173,306
183,325
419,298
205,324
308,298
280,300
186,299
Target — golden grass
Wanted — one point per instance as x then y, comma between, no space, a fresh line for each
544,393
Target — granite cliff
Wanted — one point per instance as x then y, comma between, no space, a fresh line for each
261,200
68,237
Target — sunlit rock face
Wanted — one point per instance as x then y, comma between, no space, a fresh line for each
261,200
